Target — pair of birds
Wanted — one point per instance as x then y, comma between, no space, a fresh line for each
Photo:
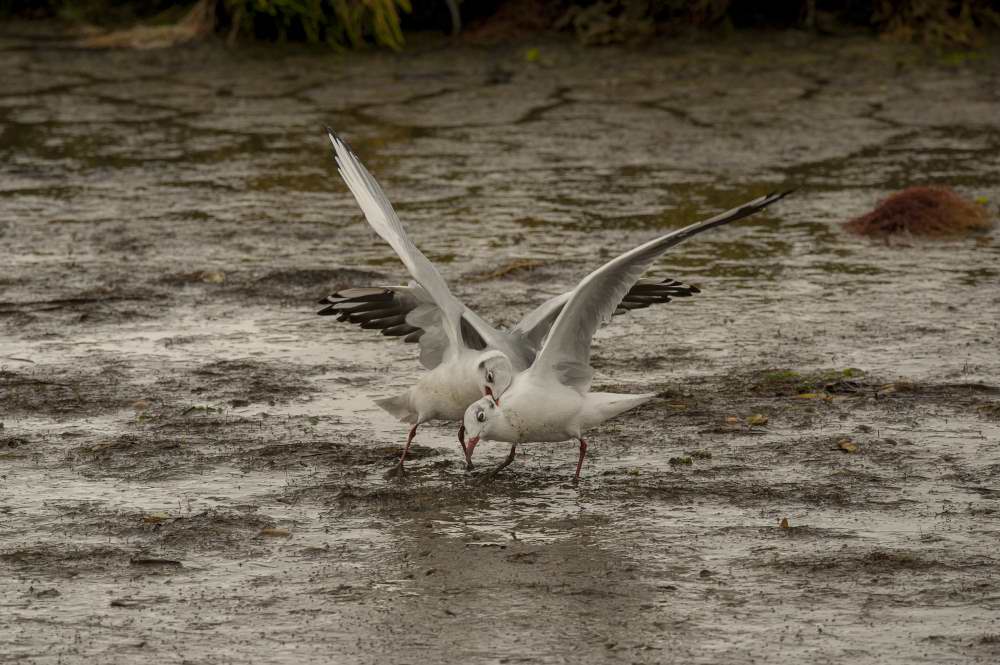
528,384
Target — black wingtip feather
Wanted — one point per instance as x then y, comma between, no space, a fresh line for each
400,330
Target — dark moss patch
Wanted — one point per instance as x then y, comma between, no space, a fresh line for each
989,410
46,389
65,560
146,457
787,382
743,491
244,381
211,530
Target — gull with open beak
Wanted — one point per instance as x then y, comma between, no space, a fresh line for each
551,400
466,357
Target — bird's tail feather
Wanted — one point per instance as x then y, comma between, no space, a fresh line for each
605,406
399,406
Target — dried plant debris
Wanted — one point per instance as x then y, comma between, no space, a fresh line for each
922,211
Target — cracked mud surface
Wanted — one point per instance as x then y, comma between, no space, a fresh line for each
191,462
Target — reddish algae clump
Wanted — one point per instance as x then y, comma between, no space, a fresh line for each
922,211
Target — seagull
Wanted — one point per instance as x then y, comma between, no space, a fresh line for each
467,358
551,400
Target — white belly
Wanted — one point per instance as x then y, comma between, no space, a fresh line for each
446,391
537,413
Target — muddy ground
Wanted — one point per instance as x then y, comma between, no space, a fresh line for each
190,461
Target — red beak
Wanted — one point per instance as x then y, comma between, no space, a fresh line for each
470,445
489,393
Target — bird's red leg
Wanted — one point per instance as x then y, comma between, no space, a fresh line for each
409,440
398,470
465,451
503,465
579,463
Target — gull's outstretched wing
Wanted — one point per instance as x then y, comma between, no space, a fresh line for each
566,353
646,292
396,311
410,313
382,218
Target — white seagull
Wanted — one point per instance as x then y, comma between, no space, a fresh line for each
466,356
551,400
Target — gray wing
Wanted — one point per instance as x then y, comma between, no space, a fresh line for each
382,218
646,292
566,353
396,311
403,311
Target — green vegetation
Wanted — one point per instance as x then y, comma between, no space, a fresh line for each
354,23
937,22
334,22
786,382
337,23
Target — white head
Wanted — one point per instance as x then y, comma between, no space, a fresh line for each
477,420
495,374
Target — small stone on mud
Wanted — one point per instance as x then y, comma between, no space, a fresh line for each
848,446
153,561
119,602
757,420
46,593
784,523
705,572
212,276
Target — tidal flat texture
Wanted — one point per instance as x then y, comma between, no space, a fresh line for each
191,466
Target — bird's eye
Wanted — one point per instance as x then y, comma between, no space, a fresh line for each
480,416
489,376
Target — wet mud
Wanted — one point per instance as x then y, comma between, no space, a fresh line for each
191,466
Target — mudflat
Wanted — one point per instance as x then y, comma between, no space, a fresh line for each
190,462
